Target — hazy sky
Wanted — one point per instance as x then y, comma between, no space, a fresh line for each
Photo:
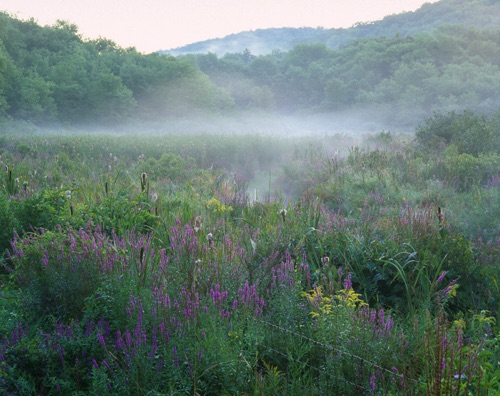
151,25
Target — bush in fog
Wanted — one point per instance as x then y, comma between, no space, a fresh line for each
469,132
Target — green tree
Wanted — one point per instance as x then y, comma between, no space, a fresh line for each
34,99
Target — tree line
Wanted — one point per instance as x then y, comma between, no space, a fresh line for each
452,69
51,74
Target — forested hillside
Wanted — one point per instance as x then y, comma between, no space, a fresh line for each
52,75
404,78
483,14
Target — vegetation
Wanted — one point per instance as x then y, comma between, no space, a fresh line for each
392,72
399,78
51,75
145,268
221,264
478,14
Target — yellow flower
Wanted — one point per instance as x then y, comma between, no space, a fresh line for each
218,207
350,298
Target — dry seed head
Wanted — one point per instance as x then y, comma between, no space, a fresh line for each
325,261
144,177
198,224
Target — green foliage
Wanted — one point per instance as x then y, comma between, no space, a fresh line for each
468,132
9,222
138,286
171,166
50,74
44,209
121,213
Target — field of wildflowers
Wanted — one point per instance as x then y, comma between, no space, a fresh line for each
150,265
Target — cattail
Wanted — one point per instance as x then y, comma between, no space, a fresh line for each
440,215
106,188
144,178
154,197
283,213
25,185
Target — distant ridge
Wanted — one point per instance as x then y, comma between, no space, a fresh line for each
482,14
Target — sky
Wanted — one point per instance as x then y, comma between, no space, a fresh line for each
152,25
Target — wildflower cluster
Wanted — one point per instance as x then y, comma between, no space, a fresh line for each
217,206
324,305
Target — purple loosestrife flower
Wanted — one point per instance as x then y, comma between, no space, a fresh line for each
372,382
119,341
441,277
348,282
101,340
389,325
45,259
128,338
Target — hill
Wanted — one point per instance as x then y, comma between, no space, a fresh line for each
483,14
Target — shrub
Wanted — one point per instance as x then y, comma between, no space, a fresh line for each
469,132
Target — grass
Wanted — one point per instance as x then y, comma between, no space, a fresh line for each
177,283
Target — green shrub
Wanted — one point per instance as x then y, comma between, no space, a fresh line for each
469,132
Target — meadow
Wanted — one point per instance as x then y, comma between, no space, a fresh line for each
248,265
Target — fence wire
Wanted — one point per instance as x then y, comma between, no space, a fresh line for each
330,360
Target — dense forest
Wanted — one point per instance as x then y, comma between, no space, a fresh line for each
52,74
483,14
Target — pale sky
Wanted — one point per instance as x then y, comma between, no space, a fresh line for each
152,25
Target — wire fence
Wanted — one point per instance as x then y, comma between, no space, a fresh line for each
317,368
